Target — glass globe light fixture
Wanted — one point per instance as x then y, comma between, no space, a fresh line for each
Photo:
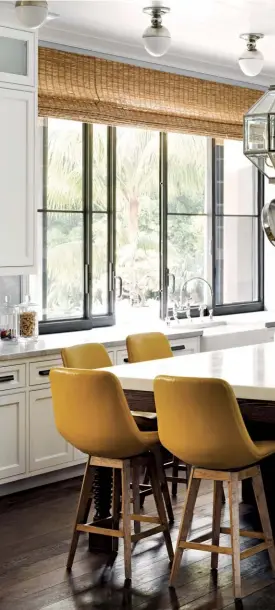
156,38
259,148
31,13
251,60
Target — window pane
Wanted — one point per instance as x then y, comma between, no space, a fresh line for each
137,224
63,258
188,239
100,264
236,181
186,173
64,184
10,286
236,260
100,168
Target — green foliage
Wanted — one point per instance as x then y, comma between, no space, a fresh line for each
137,221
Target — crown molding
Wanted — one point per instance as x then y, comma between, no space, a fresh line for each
136,55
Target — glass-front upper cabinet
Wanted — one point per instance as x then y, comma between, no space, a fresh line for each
17,57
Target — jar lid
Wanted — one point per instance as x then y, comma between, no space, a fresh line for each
27,302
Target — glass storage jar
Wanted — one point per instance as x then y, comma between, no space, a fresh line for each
28,320
8,321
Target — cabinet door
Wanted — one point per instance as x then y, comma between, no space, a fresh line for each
17,57
47,447
17,181
121,356
12,434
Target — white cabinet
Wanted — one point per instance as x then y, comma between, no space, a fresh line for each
12,434
17,57
183,347
17,181
121,356
47,447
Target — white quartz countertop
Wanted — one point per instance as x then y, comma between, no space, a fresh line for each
250,370
115,336
110,336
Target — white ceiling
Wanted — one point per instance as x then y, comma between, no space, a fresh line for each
205,33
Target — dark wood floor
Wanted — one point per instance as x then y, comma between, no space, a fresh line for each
35,529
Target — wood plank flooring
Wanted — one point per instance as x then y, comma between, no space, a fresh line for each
35,531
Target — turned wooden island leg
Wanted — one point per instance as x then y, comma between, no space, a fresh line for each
102,495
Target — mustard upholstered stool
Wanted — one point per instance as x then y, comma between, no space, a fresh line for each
205,428
155,346
91,413
93,356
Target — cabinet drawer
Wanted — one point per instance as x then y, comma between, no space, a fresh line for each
121,356
12,377
40,371
181,347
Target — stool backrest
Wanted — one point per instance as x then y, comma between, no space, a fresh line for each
200,422
91,412
86,356
148,346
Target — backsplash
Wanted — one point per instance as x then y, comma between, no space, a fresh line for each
10,285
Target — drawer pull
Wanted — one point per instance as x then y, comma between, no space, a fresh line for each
126,360
44,373
177,348
6,378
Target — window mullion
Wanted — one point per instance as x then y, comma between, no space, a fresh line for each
163,198
87,206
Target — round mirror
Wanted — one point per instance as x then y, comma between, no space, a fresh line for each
268,221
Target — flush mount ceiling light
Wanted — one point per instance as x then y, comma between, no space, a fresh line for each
31,13
251,60
156,38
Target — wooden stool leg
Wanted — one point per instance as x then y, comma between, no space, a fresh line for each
116,505
235,532
216,521
175,473
164,485
259,492
136,498
190,500
83,508
154,476
126,505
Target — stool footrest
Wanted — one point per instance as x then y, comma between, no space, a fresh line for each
244,533
150,532
210,548
256,549
103,531
176,479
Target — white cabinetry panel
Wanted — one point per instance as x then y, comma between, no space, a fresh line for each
17,181
121,356
17,57
47,447
12,434
182,347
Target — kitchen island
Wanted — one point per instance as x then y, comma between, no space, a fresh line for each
250,371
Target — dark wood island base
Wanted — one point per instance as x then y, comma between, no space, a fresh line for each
259,417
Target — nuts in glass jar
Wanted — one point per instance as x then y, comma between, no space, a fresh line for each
27,323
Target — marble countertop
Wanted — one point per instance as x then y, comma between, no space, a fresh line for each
110,337
115,336
249,370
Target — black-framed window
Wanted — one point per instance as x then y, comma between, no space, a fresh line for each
130,214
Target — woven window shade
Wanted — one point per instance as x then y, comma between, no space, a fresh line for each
95,90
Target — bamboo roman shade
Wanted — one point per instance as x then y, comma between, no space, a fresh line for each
95,90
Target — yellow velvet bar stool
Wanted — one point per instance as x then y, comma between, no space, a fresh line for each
155,346
94,356
204,427
91,413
